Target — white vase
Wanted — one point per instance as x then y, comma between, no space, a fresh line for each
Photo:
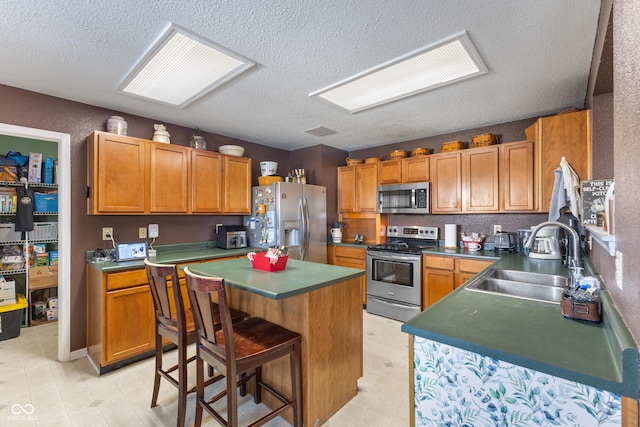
117,125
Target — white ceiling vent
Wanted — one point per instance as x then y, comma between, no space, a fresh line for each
320,131
180,67
441,63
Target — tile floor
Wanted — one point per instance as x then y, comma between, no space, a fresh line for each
36,390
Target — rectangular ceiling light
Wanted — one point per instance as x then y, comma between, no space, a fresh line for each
181,67
442,63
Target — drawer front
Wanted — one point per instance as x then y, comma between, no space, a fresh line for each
439,262
126,279
349,252
473,265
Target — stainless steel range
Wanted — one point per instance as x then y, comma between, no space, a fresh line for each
394,271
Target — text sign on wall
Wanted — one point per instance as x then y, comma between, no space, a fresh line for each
593,199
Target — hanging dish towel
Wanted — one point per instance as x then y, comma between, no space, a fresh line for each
565,192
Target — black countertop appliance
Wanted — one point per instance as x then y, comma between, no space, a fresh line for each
231,237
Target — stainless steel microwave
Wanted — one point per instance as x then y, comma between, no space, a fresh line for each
404,198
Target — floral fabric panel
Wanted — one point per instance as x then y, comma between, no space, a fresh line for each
454,387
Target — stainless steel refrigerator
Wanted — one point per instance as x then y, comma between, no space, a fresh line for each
290,214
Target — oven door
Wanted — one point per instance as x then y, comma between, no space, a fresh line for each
394,276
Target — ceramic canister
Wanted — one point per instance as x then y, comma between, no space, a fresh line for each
117,124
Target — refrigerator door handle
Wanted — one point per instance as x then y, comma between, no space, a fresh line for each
307,229
303,231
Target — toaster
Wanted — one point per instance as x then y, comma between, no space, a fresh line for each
231,237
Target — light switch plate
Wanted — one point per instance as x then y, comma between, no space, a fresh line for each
153,231
619,269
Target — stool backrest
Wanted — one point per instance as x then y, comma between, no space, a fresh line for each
204,292
161,277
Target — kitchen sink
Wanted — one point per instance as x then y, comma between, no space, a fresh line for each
521,284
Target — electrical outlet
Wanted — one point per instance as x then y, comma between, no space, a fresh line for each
154,231
218,226
107,233
142,232
497,228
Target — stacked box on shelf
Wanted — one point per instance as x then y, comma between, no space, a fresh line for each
43,231
7,292
8,233
46,202
8,199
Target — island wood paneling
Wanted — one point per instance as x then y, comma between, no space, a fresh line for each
331,324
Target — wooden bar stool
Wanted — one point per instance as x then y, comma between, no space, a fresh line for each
175,323
238,351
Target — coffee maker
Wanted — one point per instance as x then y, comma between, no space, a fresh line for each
546,244
504,242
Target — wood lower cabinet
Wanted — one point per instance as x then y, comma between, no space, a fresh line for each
120,316
442,274
348,256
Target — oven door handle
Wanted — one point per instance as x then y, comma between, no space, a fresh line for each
394,257
394,304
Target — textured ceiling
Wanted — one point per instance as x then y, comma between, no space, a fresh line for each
538,53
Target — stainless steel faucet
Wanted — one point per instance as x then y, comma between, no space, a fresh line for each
576,262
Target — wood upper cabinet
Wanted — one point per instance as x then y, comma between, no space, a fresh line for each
390,172
446,182
412,169
169,176
237,184
357,188
132,176
480,173
498,178
116,174
206,182
416,169
517,165
565,135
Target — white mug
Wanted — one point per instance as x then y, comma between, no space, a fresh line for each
474,246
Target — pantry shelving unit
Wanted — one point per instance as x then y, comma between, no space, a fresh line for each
45,232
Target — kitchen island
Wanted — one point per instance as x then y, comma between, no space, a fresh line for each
481,358
321,302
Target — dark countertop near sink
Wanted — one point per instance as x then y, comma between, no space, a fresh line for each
534,334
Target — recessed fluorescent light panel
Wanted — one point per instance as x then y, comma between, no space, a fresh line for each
181,67
442,63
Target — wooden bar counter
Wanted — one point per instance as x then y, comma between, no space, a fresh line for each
321,302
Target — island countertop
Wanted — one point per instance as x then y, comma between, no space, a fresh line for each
535,334
298,277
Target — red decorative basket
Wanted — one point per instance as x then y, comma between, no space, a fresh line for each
261,262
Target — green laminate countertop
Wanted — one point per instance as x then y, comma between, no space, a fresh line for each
535,334
299,277
171,254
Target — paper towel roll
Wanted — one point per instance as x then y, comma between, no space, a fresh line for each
451,236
